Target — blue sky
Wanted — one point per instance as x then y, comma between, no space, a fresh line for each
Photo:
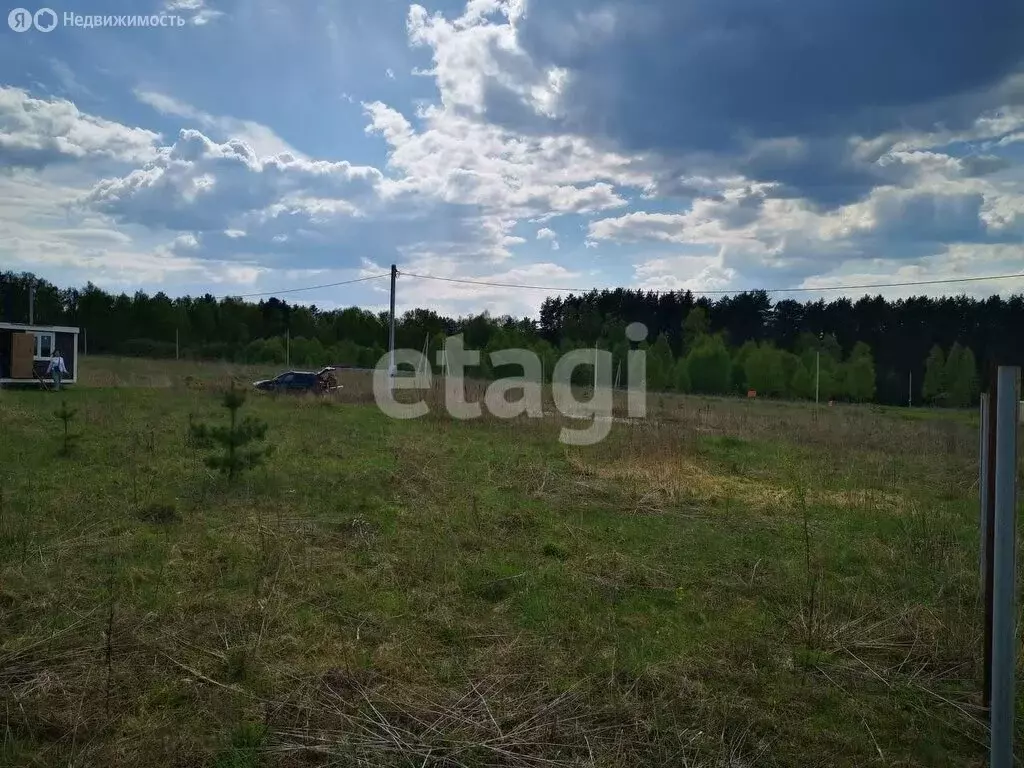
706,144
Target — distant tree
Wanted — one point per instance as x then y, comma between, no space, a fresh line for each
859,374
739,367
764,371
710,366
961,377
934,387
682,376
801,386
790,365
695,326
660,365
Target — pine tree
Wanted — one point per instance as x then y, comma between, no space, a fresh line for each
934,386
234,439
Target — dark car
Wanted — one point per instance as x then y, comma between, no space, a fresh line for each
300,382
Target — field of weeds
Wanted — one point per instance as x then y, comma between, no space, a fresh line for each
727,583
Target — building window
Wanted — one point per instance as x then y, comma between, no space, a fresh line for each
44,346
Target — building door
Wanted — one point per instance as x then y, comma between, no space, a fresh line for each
23,351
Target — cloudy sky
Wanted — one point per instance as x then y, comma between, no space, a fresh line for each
705,144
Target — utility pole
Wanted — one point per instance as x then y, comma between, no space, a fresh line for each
391,330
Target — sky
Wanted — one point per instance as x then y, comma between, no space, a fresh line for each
710,145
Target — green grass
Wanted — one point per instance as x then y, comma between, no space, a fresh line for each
736,584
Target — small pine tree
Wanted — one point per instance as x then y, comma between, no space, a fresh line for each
234,439
66,414
934,386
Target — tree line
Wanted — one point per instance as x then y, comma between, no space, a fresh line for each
870,349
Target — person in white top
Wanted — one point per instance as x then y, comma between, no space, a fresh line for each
56,368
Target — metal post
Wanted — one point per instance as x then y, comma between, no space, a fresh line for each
989,529
391,330
983,459
1004,569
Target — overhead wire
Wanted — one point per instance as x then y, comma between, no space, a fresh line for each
802,289
307,288
565,289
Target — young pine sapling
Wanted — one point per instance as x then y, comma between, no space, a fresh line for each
66,414
235,440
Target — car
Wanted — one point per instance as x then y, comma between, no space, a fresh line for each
300,382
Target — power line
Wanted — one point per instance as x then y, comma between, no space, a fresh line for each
726,291
307,288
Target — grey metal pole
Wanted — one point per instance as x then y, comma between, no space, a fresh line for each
1004,568
391,329
983,459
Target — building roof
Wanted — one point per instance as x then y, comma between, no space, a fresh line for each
37,327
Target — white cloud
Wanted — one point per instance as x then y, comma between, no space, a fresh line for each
684,273
262,139
38,132
197,184
196,11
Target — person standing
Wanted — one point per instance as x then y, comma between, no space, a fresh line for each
57,369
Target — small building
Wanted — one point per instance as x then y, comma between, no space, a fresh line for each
25,351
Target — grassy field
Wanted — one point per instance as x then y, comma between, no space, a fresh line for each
729,584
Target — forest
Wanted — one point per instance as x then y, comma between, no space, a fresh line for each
922,349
